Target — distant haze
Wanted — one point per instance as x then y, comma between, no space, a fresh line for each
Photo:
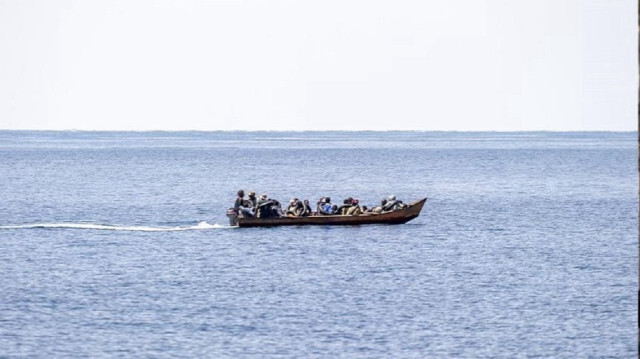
463,65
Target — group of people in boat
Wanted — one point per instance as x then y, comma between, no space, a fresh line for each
265,207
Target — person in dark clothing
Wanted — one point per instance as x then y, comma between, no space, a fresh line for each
239,200
295,208
242,206
299,208
276,208
263,207
307,209
392,204
389,206
346,204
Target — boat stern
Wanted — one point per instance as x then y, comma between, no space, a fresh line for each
233,217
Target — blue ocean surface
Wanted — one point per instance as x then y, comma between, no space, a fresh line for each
116,244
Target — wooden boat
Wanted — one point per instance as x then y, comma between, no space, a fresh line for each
398,216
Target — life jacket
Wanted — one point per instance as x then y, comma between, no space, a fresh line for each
352,211
264,208
390,206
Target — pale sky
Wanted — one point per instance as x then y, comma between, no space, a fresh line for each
464,65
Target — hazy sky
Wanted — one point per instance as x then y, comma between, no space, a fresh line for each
319,65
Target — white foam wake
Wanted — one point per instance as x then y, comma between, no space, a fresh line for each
200,226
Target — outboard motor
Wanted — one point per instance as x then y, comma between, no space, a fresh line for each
233,217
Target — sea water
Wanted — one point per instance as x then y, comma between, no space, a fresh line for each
117,245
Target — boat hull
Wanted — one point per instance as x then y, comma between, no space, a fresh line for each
396,217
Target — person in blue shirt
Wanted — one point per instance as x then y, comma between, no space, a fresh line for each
325,207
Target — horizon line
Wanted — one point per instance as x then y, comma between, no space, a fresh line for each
302,131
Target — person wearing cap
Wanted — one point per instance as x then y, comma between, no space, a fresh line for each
295,208
392,204
253,201
263,207
242,206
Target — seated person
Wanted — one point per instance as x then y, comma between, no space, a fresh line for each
307,209
346,204
393,204
355,209
291,207
379,209
319,204
324,206
243,207
263,207
276,208
253,201
296,208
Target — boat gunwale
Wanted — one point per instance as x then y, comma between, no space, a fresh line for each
400,216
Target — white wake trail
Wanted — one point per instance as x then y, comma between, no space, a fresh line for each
105,227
